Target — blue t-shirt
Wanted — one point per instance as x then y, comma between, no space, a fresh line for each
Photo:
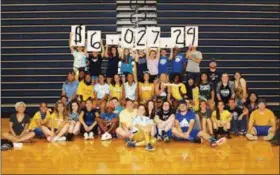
89,116
118,110
127,66
70,88
107,116
163,65
177,65
184,120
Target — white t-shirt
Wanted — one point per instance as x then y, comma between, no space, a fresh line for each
130,91
101,90
140,120
80,59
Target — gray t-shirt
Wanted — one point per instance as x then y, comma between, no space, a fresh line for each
192,65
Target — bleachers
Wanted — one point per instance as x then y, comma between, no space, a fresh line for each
35,53
241,35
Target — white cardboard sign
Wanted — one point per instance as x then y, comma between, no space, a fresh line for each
78,33
191,35
153,36
127,38
177,36
94,40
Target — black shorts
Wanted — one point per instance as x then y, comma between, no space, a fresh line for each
94,130
153,77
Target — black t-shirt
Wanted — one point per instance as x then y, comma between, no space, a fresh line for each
95,65
141,67
18,127
225,93
205,90
236,112
112,68
165,116
206,114
214,77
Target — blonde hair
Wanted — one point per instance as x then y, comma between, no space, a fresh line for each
20,103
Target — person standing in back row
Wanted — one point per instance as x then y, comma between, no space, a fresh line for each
213,75
194,59
178,63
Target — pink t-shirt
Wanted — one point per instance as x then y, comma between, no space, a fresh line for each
152,65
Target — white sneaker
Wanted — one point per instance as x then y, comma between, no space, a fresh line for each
63,138
106,136
86,136
91,135
17,145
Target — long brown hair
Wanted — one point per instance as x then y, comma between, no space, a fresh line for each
65,114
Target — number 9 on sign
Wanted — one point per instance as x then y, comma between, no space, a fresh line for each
191,36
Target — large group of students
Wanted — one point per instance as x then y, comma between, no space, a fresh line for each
141,100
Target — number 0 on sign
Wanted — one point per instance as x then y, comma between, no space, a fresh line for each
191,35
78,35
127,38
94,40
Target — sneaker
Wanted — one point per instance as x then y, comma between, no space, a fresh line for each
218,142
251,137
86,137
268,137
69,137
91,135
59,139
166,139
197,140
149,147
106,136
17,145
130,144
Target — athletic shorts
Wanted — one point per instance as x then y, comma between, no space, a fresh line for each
262,130
38,132
192,136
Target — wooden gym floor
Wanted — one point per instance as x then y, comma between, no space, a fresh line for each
236,156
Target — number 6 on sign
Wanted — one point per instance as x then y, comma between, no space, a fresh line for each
153,34
127,38
93,41
191,35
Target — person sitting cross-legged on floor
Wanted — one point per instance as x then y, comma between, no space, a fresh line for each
40,119
183,127
142,130
108,122
18,126
261,123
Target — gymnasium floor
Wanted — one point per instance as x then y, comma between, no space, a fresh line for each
237,156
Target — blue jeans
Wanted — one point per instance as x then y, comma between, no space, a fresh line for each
239,125
38,132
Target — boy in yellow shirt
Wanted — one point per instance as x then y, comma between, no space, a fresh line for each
40,118
261,123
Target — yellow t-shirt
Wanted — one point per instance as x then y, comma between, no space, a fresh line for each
175,90
196,98
146,91
37,115
56,119
85,91
262,119
126,117
224,116
116,91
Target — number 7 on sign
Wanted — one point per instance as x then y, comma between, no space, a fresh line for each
191,33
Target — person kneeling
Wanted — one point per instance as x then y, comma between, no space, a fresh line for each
261,123
141,128
183,127
108,122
